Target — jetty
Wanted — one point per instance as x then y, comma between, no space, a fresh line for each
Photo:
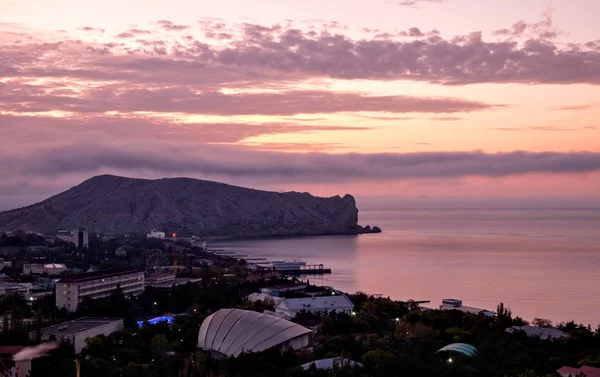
309,269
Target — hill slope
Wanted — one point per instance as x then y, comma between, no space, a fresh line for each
116,205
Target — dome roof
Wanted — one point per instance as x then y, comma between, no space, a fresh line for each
465,349
233,331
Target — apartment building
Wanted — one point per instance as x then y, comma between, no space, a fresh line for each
71,290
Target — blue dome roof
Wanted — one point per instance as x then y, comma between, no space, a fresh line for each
462,348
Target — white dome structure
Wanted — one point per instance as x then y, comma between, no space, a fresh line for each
229,332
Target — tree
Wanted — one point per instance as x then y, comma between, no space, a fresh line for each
159,345
541,322
503,316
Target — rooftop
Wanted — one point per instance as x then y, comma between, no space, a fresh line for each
78,325
10,350
585,370
55,265
539,332
89,276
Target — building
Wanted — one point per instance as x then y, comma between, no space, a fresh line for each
334,362
44,269
156,234
8,366
4,264
229,332
75,332
80,238
544,333
583,371
454,304
168,281
22,289
277,290
316,305
37,249
121,251
71,290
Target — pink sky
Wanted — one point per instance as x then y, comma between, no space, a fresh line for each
448,98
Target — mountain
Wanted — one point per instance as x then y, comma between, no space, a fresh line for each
116,205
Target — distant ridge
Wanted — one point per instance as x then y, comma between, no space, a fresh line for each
116,205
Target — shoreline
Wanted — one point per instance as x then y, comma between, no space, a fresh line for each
317,281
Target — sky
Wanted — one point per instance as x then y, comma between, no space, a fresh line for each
458,98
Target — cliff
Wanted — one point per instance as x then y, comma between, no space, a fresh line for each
116,205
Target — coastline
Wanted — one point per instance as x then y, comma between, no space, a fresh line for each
389,264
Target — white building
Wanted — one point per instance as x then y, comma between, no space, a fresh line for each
229,332
80,238
544,333
71,290
44,269
156,234
75,332
316,305
454,304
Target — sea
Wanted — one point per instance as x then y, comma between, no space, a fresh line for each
542,260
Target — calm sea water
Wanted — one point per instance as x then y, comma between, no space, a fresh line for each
540,262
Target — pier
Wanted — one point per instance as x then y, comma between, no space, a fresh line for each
309,269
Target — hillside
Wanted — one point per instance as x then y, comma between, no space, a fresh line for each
116,205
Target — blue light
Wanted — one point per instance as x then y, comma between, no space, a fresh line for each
156,320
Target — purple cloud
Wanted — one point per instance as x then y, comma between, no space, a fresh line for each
220,161
274,54
544,29
446,119
545,128
414,3
573,107
27,98
168,25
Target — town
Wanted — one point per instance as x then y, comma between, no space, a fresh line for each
157,305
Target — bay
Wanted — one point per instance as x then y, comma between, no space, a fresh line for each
541,262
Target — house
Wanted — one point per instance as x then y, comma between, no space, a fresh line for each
544,333
316,305
584,370
454,304
9,367
121,251
75,332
